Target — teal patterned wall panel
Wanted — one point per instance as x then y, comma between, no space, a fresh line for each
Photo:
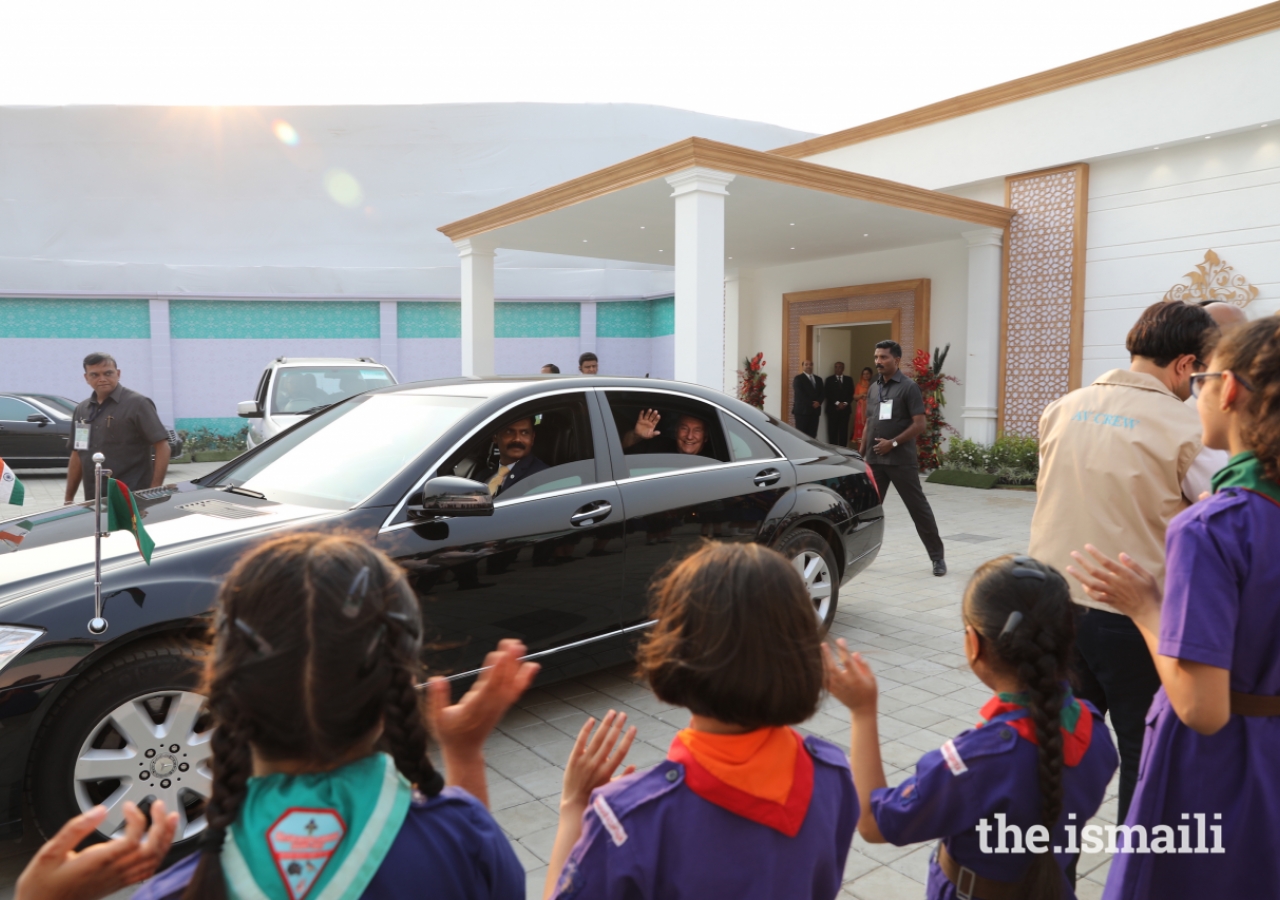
662,316
273,319
35,318
223,425
536,320
636,318
428,320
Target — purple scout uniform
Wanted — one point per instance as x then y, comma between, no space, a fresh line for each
653,837
1221,608
449,848
984,772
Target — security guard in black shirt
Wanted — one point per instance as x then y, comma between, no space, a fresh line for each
120,424
895,418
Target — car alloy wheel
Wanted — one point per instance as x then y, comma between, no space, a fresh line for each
816,573
153,747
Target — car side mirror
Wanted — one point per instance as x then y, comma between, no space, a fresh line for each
249,409
39,418
450,495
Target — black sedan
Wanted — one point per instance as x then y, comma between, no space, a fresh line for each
35,430
622,476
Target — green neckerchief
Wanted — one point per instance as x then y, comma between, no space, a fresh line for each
1245,471
321,835
1068,718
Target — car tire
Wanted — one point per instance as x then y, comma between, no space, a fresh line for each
814,560
126,717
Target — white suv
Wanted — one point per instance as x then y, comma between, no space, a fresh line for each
293,388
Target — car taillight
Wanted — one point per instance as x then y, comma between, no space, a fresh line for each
871,476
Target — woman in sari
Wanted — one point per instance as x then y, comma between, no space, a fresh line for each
860,405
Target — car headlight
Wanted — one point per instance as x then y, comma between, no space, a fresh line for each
13,640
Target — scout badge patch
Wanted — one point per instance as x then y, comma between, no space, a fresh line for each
316,836
302,842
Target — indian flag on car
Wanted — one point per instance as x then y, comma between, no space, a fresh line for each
11,534
123,515
11,489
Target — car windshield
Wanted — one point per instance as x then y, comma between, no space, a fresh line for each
340,457
304,389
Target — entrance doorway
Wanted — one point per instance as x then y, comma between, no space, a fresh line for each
855,346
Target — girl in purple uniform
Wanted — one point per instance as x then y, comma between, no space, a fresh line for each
1037,765
743,806
1208,794
321,783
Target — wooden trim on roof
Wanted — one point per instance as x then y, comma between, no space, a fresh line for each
736,161
1247,24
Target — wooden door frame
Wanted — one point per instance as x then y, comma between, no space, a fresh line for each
890,314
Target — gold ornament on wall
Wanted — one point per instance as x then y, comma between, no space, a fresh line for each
1213,279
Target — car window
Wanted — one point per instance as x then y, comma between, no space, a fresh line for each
340,457
551,440
59,405
14,410
743,442
686,433
301,390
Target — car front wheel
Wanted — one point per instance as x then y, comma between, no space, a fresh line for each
816,563
134,729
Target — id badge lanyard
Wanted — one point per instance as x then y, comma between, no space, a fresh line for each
82,429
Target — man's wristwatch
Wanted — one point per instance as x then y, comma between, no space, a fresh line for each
895,443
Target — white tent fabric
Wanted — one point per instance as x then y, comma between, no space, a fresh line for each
337,201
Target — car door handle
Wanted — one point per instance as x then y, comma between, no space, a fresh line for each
591,513
767,477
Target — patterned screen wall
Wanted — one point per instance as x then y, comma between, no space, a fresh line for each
1044,297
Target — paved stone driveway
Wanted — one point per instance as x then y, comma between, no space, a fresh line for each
905,621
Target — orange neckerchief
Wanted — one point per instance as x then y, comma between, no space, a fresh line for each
764,775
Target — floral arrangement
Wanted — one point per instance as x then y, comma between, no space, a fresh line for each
928,374
751,381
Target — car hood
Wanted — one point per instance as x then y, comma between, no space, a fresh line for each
57,545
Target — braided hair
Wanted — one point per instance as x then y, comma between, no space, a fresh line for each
1022,608
316,642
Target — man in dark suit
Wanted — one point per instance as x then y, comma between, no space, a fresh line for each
806,399
838,394
515,457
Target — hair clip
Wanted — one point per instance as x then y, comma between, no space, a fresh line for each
403,620
264,648
356,594
1011,624
1027,567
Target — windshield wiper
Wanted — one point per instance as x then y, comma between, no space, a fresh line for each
236,489
314,409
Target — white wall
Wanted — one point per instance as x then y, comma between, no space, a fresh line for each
56,365
1153,215
945,264
1212,92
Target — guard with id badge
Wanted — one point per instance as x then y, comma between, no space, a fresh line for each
120,424
895,418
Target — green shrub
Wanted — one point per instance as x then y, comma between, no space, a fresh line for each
206,439
1013,459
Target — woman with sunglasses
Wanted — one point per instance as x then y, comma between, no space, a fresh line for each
1208,794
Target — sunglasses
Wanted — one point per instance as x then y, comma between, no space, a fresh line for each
1200,378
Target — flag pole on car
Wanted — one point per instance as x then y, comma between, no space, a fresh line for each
97,625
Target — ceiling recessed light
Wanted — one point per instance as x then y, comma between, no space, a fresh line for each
731,257
659,251
793,223
793,248
1264,124
1155,148
642,228
584,240
866,235
1207,136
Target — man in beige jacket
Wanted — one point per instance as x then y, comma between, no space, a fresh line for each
1115,457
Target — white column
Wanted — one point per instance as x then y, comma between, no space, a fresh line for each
699,340
477,307
161,362
982,367
389,335
732,345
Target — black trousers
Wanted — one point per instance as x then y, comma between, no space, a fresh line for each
838,428
1114,672
808,422
907,480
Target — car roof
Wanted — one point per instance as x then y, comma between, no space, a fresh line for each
285,361
515,386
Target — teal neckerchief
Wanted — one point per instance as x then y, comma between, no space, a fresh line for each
1245,471
321,835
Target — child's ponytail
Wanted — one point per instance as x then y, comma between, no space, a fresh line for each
1023,609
